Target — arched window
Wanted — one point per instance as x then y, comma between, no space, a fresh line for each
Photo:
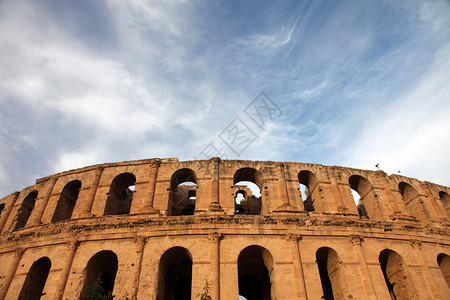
120,195
240,200
445,198
365,198
444,265
255,265
37,276
2,207
397,277
413,202
175,274
308,183
67,200
247,186
100,274
25,210
331,274
183,193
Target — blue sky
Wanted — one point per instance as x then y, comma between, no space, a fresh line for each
358,83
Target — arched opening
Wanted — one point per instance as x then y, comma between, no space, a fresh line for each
444,264
307,187
239,200
37,276
120,195
255,266
331,274
445,199
365,198
183,193
67,200
413,202
100,274
247,183
175,275
398,280
25,210
2,207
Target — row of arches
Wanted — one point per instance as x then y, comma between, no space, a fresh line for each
118,202
247,186
369,206
100,273
182,196
247,183
395,272
255,266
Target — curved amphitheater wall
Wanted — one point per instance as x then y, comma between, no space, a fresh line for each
166,229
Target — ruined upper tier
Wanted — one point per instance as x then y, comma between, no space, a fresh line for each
168,187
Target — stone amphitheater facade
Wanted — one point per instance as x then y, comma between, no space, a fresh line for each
169,229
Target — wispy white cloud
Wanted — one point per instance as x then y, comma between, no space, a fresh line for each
111,81
410,134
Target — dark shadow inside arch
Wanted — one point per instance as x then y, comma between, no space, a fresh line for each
183,193
35,280
396,277
175,275
247,183
100,275
254,266
120,195
2,207
67,200
332,274
25,210
444,265
322,257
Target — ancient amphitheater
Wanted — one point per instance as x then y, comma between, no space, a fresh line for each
169,229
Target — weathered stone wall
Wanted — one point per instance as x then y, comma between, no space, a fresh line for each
407,226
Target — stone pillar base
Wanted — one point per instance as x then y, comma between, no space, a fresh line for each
286,208
215,207
150,210
397,215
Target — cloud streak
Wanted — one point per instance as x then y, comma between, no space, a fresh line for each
111,81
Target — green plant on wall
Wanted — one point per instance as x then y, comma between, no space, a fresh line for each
96,291
205,295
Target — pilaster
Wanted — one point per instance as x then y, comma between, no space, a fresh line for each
300,285
214,247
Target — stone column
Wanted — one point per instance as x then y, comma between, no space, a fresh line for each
283,190
154,167
140,244
40,207
92,191
416,245
215,185
10,274
8,209
214,270
337,194
365,274
70,254
299,277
